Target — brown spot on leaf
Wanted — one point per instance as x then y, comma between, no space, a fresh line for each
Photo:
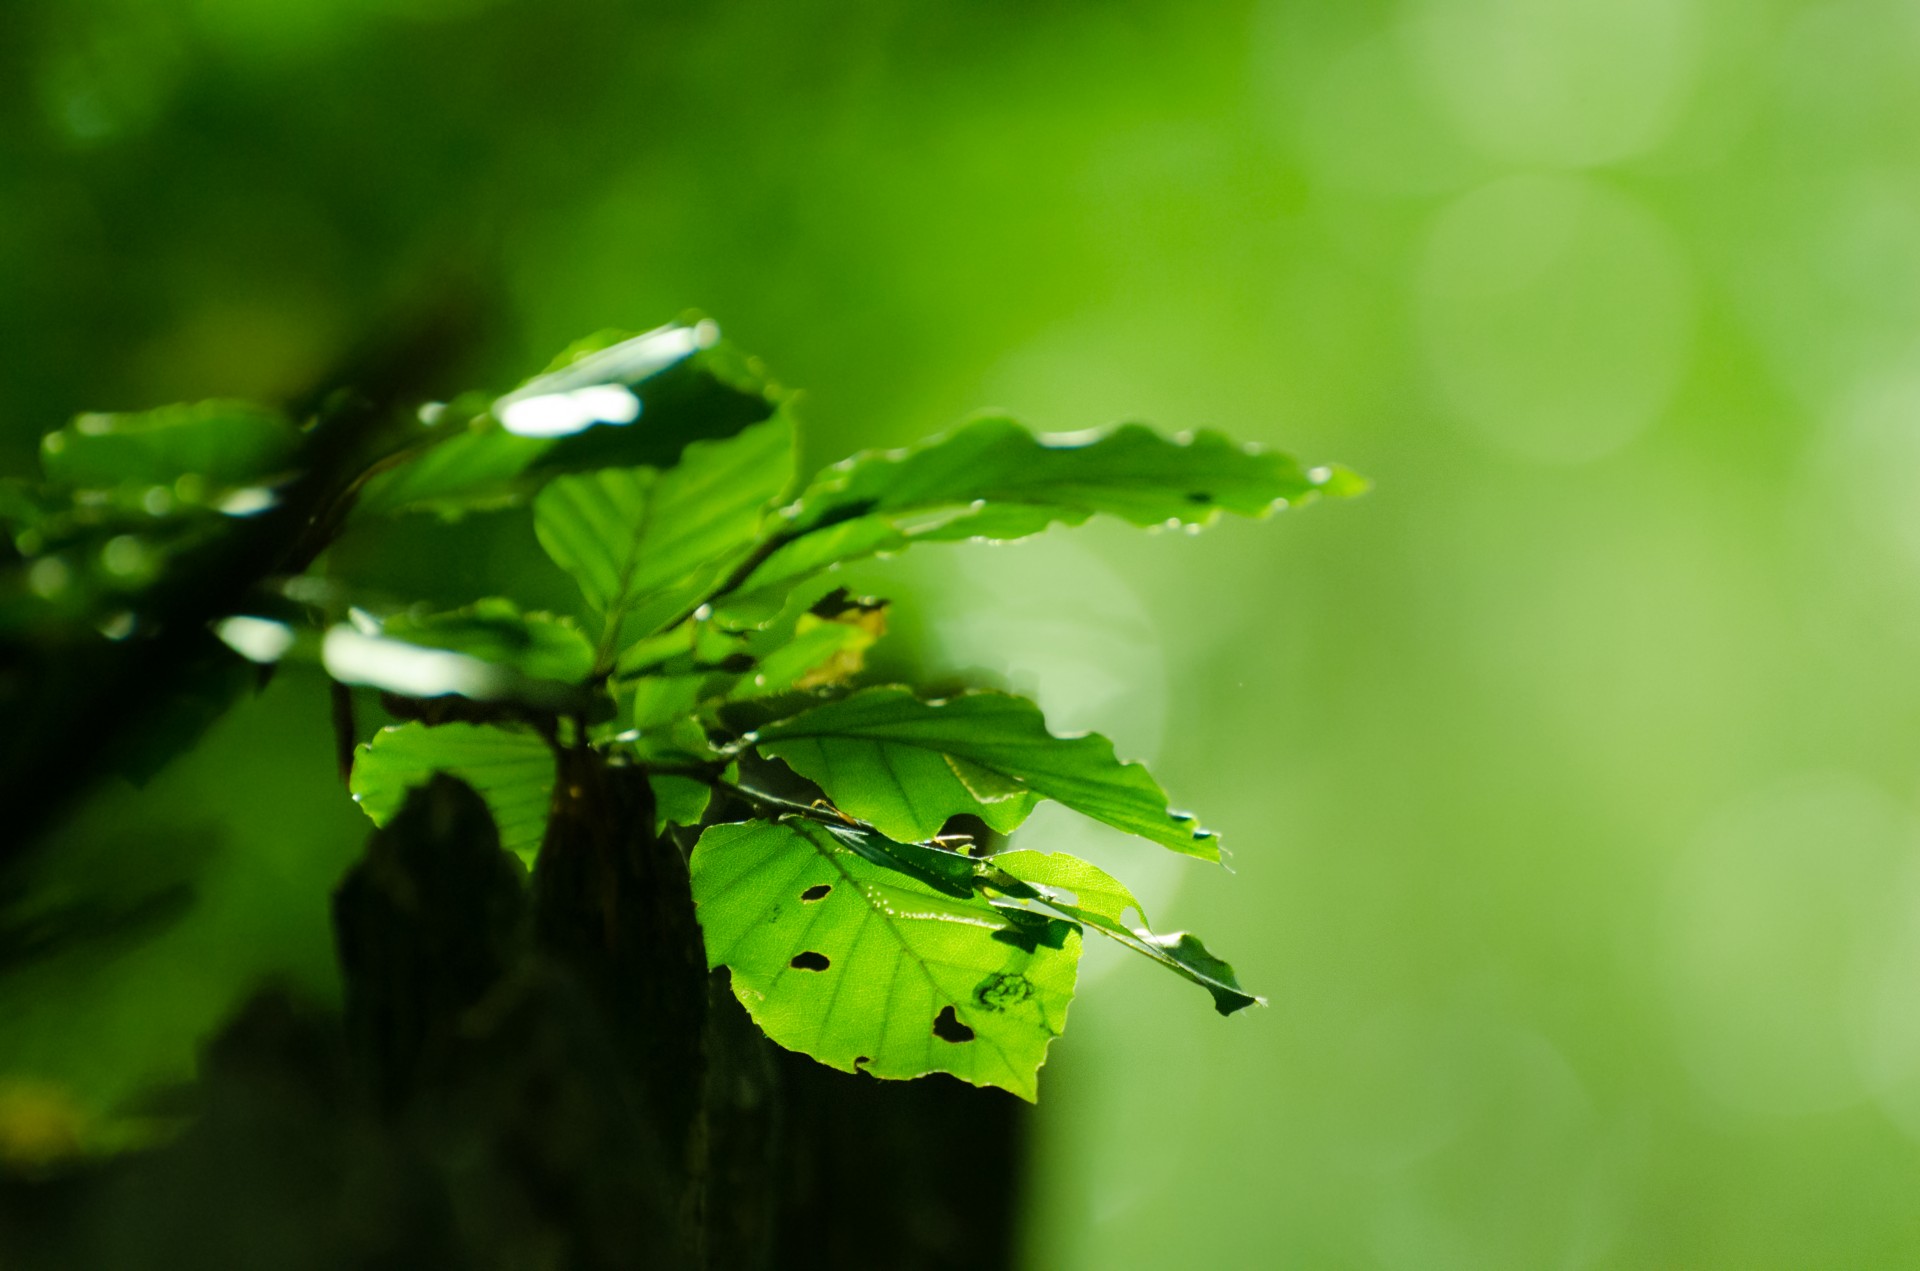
1002,991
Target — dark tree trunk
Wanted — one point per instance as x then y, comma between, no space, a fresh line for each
542,1077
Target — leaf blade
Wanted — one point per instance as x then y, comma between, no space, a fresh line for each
647,545
513,770
858,747
540,646
215,443
993,479
969,990
1099,901
640,400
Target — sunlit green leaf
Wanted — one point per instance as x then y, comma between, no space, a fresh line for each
209,444
826,646
1087,894
463,463
408,669
538,645
639,401
646,545
811,658
1093,889
905,766
995,480
511,768
1180,952
677,800
868,968
659,700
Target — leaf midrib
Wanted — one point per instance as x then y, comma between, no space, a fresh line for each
832,855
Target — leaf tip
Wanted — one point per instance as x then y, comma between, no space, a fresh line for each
1230,1003
1336,481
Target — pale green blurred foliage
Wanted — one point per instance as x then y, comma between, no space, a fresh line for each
1570,776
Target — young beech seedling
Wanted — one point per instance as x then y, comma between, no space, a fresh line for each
837,835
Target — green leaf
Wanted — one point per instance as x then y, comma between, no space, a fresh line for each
807,660
904,766
995,480
641,400
538,645
662,700
93,559
1180,952
465,462
825,645
512,769
646,546
216,443
422,669
868,968
1093,889
677,800
1098,901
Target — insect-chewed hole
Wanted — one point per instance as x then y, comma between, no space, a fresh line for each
816,892
810,961
948,1028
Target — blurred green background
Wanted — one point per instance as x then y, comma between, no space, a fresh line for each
1571,775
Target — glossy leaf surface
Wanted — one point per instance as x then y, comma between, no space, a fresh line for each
868,967
407,669
905,766
538,645
641,400
995,480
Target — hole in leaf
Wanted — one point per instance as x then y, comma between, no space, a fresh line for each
948,1028
859,1060
817,891
810,961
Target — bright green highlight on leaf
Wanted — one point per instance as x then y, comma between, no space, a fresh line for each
410,668
904,766
474,465
869,968
1093,889
512,769
538,645
607,402
820,652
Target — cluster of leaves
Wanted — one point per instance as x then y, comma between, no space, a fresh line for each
712,653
